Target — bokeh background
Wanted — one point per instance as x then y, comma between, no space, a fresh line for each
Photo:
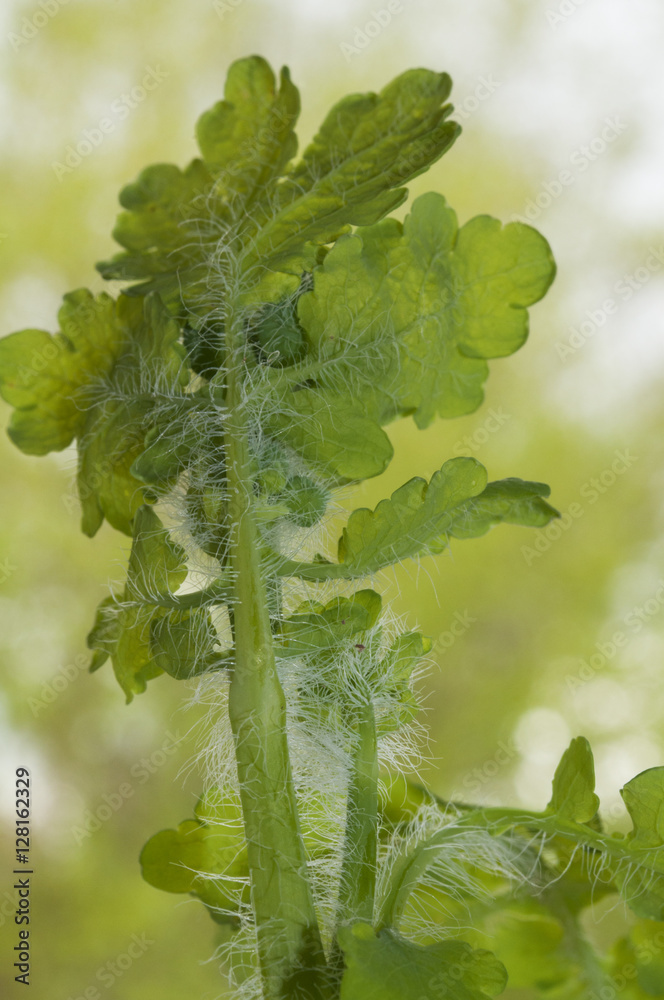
561,104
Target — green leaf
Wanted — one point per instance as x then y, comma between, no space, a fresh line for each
111,441
405,315
167,452
420,517
182,643
315,627
268,217
396,668
247,139
47,378
385,966
124,627
156,562
133,662
103,636
80,383
205,856
279,334
160,230
644,799
574,784
401,320
113,436
350,174
642,882
331,432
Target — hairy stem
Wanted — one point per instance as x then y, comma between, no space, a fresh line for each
289,944
358,873
357,884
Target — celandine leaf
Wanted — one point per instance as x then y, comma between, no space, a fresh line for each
368,145
205,856
84,383
46,377
247,140
332,432
644,798
182,643
316,626
263,221
441,300
385,966
113,436
574,784
531,943
420,517
156,562
124,627
401,320
642,883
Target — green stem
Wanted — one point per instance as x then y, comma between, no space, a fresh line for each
357,883
411,866
218,592
358,872
314,572
290,949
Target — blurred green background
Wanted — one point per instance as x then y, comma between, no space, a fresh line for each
563,123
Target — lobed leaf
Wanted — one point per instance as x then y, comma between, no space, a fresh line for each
385,966
642,883
401,320
182,643
84,383
263,216
420,518
644,798
205,856
124,627
47,378
436,299
315,627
